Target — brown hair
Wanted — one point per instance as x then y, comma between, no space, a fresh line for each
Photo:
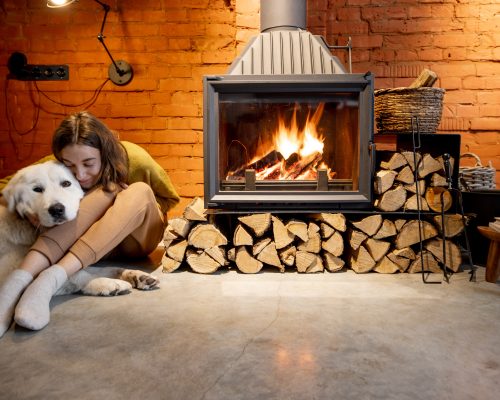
84,128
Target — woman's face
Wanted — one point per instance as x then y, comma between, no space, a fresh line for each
85,163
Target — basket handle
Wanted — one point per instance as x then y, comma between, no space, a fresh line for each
478,160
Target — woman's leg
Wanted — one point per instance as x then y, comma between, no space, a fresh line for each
134,225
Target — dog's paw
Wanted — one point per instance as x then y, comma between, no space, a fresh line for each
140,280
106,287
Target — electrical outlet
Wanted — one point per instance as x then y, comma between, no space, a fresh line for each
43,73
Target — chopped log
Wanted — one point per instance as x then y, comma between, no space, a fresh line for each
425,79
308,262
169,264
384,180
428,165
335,244
453,224
332,263
241,237
231,254
302,165
399,223
317,265
452,251
181,226
387,229
405,252
396,161
392,200
287,255
218,254
413,187
204,236
312,245
335,220
312,229
406,175
195,211
377,248
386,266
259,223
356,238
245,262
270,256
438,198
369,225
430,264
177,250
438,180
409,233
169,235
416,203
201,262
282,237
326,230
412,158
304,260
362,261
401,262
260,245
298,228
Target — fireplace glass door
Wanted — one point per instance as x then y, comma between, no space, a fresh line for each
282,142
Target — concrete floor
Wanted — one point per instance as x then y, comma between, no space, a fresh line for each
265,336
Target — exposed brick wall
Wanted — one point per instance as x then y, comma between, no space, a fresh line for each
171,44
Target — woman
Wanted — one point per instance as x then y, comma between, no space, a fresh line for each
123,213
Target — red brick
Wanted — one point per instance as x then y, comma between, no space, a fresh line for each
485,124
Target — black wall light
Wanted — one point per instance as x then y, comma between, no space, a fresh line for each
120,72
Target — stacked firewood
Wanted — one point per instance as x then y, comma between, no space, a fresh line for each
411,181
311,243
388,246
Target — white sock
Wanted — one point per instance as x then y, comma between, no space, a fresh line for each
33,311
10,292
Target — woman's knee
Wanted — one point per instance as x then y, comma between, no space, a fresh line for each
138,192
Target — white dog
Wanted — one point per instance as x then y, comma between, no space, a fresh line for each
49,194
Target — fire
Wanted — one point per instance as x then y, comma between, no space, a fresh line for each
296,153
289,140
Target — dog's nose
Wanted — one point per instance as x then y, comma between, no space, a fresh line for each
57,210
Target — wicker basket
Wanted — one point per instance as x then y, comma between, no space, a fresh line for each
477,177
395,109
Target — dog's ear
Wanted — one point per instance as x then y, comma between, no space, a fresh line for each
13,193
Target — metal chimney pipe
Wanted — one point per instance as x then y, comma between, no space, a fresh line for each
283,15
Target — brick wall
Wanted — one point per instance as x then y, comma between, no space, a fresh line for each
171,44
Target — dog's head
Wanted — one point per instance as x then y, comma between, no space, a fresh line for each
48,192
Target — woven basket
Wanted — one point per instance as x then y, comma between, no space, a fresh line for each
395,109
477,177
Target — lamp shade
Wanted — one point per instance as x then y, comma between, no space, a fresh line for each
59,3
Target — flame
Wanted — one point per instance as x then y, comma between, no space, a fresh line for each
289,140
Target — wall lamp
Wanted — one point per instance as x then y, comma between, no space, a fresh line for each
120,72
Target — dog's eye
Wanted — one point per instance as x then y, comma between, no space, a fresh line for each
38,189
65,184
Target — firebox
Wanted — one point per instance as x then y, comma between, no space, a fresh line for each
288,128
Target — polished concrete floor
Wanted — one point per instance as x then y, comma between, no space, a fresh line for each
265,336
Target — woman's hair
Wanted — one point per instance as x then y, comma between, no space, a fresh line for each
84,128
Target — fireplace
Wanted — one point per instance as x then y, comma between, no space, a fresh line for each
287,128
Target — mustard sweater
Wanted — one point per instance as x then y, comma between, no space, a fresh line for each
141,168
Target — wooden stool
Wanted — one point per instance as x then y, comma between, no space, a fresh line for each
493,261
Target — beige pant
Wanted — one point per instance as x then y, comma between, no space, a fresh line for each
128,223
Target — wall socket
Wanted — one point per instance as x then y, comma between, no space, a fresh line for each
42,73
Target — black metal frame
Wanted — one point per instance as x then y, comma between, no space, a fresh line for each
261,200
